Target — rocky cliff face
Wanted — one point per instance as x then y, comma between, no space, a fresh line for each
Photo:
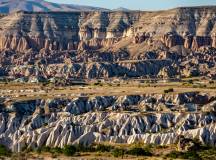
186,36
63,31
191,27
40,46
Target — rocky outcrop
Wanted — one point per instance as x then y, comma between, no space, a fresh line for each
60,122
199,41
139,38
63,31
171,40
57,31
214,40
188,41
95,70
58,47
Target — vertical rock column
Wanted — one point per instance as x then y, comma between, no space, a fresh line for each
199,41
171,39
188,41
213,40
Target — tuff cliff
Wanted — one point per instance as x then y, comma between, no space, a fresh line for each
56,47
149,118
189,27
184,36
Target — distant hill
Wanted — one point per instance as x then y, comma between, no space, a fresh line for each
121,9
8,6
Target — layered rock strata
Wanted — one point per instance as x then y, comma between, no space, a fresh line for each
92,30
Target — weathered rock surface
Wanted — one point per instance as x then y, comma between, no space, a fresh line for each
107,38
56,31
87,120
93,70
37,47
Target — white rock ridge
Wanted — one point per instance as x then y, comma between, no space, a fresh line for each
111,119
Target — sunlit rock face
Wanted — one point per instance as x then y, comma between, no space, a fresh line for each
213,40
118,45
58,122
54,31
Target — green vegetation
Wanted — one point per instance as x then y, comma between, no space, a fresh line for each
43,149
69,150
103,148
192,155
138,151
100,148
4,151
197,153
208,154
118,152
190,81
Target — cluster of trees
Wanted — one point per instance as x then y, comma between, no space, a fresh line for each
116,152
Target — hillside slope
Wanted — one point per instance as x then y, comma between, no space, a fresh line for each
8,6
184,37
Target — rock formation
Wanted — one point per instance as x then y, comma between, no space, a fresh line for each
59,122
39,31
43,47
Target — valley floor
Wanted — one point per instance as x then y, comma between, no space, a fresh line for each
27,91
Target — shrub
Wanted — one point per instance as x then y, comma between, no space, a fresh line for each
4,151
174,154
211,82
56,150
208,154
118,152
138,151
190,155
169,90
43,149
193,155
81,148
69,150
190,81
103,148
96,83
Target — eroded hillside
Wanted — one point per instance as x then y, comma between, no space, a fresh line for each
82,78
183,36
